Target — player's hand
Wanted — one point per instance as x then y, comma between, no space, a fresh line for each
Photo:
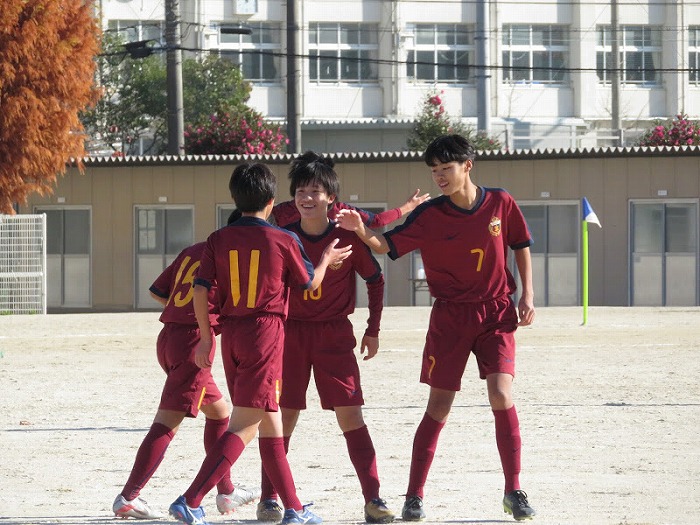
414,201
336,255
371,344
203,354
526,311
348,220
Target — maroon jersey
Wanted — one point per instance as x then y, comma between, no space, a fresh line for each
335,298
176,285
286,213
464,251
254,264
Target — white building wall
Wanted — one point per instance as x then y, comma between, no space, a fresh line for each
582,104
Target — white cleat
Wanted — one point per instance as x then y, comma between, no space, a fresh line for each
227,503
136,508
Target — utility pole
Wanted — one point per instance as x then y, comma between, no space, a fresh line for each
293,78
615,124
483,84
173,43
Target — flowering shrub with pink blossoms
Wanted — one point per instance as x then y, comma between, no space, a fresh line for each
242,133
434,121
678,131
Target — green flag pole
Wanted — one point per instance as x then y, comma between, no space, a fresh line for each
584,269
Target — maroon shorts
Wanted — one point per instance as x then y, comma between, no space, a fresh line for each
458,329
187,387
328,348
251,349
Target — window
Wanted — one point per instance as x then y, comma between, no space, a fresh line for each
343,52
640,54
555,253
136,30
535,54
258,54
694,55
68,256
160,234
664,253
223,212
439,53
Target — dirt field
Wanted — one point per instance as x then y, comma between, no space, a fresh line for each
610,418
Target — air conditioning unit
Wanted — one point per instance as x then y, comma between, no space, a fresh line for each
245,7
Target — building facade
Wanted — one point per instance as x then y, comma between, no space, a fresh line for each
113,229
365,66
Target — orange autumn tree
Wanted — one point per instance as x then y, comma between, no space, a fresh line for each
47,51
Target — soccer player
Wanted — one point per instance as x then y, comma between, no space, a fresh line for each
187,390
319,334
254,264
463,237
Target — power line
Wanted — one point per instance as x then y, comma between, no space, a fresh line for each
383,61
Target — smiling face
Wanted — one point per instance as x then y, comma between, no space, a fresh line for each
452,177
313,201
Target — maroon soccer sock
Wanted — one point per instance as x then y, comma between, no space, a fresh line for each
222,455
364,459
148,458
509,442
424,446
267,489
213,430
274,459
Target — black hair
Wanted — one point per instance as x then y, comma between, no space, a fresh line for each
252,186
449,148
235,215
312,168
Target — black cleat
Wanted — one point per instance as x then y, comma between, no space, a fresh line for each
413,509
516,504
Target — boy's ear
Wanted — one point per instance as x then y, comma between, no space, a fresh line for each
332,199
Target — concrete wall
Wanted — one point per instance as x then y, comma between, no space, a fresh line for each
608,180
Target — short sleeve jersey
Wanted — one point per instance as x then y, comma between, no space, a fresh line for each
254,264
336,296
464,252
176,285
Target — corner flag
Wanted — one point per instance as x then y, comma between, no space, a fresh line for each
588,215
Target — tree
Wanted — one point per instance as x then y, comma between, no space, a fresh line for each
434,121
47,50
678,131
134,104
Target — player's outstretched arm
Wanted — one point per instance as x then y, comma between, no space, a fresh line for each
200,301
330,255
350,220
413,202
385,218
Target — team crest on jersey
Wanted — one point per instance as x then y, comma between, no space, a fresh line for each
495,226
335,265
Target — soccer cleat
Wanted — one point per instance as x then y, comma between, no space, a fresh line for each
376,511
413,509
269,510
136,508
227,503
515,503
300,516
181,512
